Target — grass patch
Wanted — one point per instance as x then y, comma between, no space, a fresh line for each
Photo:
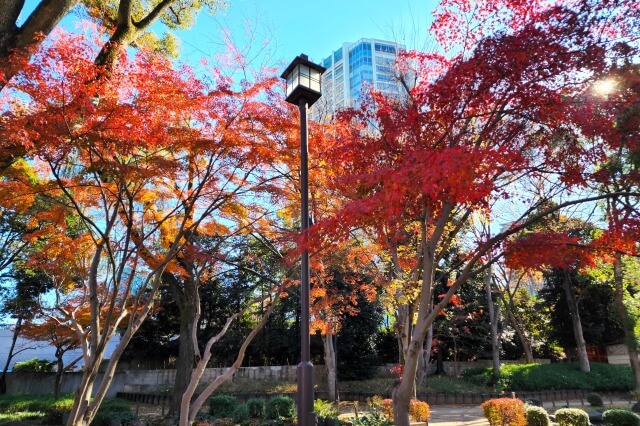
33,403
257,386
6,418
539,377
435,384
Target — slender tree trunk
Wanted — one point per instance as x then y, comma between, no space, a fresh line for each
493,319
421,374
524,341
17,40
14,339
58,379
572,303
185,300
440,363
404,390
628,322
330,365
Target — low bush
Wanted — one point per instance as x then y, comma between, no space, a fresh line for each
114,409
280,408
504,411
57,409
572,417
419,410
35,403
325,409
34,365
222,406
619,417
386,407
256,408
595,400
105,418
372,419
536,416
540,377
240,413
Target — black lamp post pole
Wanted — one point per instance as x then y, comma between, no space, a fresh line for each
306,416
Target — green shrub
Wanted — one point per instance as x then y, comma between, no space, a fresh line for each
279,408
372,419
34,365
325,409
619,417
114,409
572,417
504,411
115,405
240,413
221,406
538,377
57,409
536,416
595,400
34,403
256,408
105,418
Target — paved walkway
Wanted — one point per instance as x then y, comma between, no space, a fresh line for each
457,415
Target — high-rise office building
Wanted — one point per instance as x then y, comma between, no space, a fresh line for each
350,68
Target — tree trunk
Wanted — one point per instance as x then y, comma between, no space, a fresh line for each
185,300
14,339
330,365
572,303
421,374
58,379
403,392
440,363
16,40
524,341
628,322
493,319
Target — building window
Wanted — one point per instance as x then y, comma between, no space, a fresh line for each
337,56
386,48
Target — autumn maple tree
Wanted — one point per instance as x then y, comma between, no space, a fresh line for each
62,338
123,23
476,121
148,160
341,277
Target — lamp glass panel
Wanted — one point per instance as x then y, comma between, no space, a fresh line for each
304,76
315,80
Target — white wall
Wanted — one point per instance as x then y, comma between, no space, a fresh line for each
27,349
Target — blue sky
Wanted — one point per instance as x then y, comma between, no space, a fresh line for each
312,27
315,28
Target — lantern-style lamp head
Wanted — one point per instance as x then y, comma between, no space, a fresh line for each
303,80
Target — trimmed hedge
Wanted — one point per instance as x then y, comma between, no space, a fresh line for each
572,417
256,408
556,376
595,400
504,411
419,410
279,408
536,416
222,406
619,417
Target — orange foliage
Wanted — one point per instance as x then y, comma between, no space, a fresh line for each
419,410
550,250
504,412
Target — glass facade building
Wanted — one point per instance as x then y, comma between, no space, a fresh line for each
351,69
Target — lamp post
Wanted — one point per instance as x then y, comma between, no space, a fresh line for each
303,89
